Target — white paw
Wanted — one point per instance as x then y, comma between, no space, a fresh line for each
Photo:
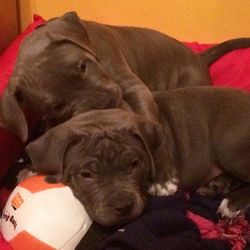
225,211
168,188
24,174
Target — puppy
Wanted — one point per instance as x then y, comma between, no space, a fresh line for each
107,157
112,158
69,66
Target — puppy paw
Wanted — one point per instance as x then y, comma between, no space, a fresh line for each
208,191
203,191
220,185
24,174
165,189
226,211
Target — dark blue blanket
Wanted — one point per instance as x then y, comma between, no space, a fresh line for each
163,226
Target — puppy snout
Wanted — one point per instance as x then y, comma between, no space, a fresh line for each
122,204
124,207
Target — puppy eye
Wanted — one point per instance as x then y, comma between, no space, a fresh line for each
134,163
86,174
83,66
19,96
58,106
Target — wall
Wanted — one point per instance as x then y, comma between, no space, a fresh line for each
188,20
8,22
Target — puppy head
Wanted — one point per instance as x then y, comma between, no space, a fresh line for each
105,158
58,75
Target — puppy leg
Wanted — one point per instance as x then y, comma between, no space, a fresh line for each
235,203
220,185
165,189
164,184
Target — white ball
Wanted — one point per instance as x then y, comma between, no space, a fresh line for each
39,215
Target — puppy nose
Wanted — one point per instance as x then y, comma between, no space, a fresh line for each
121,202
123,206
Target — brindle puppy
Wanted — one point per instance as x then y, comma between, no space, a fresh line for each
105,157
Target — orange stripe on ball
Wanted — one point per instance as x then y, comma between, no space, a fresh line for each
17,201
37,183
25,241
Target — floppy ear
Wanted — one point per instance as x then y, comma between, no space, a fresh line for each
160,144
71,28
47,152
11,115
139,136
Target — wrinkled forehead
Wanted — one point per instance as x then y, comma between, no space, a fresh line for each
116,143
103,154
103,145
108,143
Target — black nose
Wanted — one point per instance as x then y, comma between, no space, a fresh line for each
124,207
122,204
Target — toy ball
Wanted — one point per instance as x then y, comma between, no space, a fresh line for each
40,215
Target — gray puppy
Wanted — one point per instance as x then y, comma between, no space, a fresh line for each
113,158
69,66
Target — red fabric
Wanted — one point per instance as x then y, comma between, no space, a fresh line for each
236,233
4,245
232,69
10,145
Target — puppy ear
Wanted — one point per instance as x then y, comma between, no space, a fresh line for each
71,28
71,17
47,152
11,115
139,136
160,144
